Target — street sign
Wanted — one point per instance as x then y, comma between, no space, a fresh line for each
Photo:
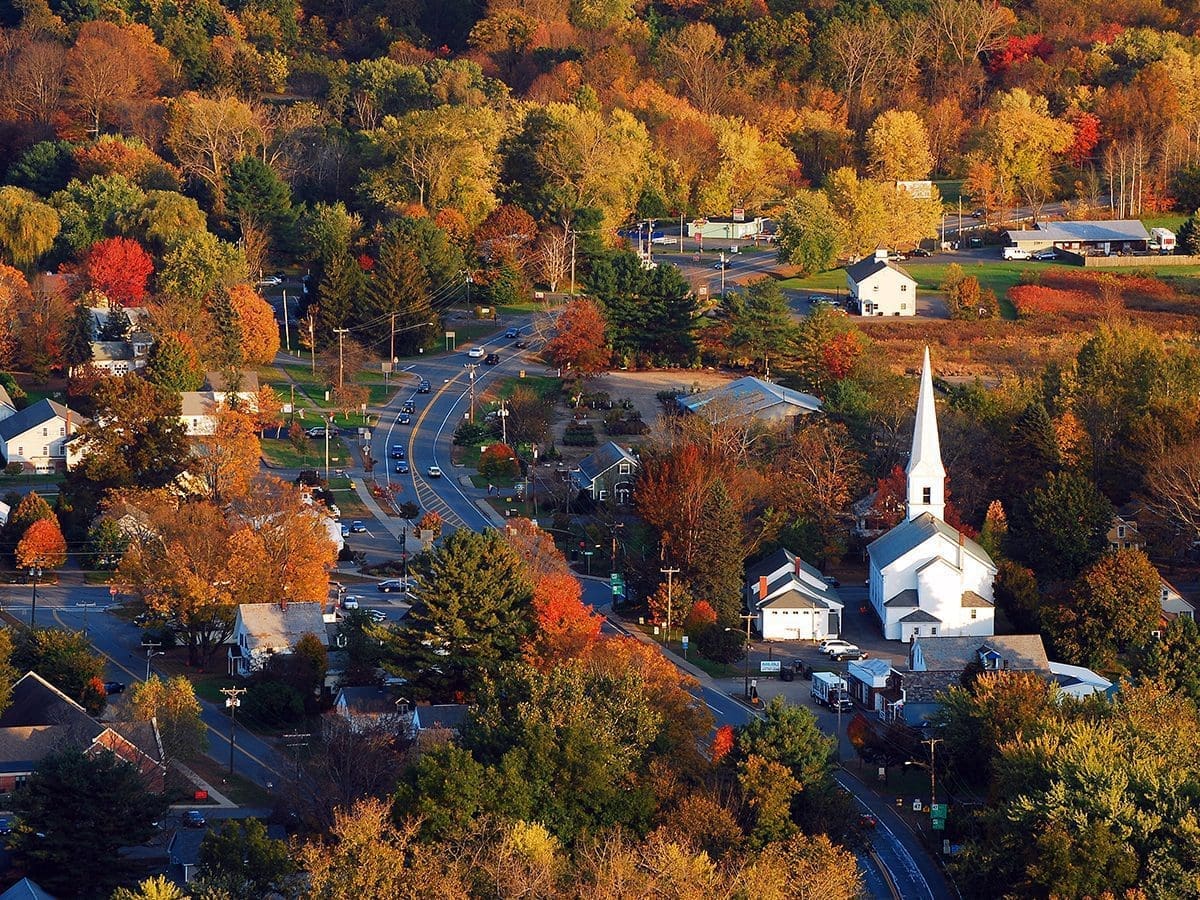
739,214
916,806
685,642
770,665
450,335
937,814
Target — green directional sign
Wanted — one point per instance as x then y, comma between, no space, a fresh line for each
937,815
618,584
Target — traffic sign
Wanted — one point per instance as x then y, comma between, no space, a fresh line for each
739,214
685,642
937,814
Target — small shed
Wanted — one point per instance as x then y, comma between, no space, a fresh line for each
867,680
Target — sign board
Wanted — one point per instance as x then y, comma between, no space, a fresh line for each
770,665
685,642
937,814
739,214
450,335
286,409
387,368
921,190
917,806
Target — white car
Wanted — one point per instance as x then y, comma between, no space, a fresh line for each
663,239
1015,253
475,353
350,602
270,281
831,646
434,472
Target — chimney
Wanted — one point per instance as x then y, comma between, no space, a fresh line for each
796,567
762,587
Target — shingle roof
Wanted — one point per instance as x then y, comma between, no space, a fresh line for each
1020,651
452,716
865,268
601,460
105,351
907,597
247,381
912,533
34,415
1092,232
920,615
924,687
794,599
749,396
197,403
771,564
819,594
972,599
879,668
367,701
26,889
268,626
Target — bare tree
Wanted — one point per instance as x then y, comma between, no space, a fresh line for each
1173,488
967,28
860,54
34,77
553,255
695,56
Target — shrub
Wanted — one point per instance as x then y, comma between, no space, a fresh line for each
274,703
468,433
701,618
577,435
1040,300
499,460
721,646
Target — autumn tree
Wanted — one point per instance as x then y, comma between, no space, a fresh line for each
42,546
564,628
1174,659
228,457
119,269
579,343
257,326
207,135
823,472
32,508
173,364
28,226
897,146
810,233
173,705
65,659
114,72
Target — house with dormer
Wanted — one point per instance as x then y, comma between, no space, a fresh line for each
928,579
607,474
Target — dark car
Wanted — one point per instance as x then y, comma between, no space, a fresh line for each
921,251
521,345
114,687
5,826
424,387
848,655
397,451
405,419
408,407
193,818
512,332
391,585
357,527
492,358
402,467
308,478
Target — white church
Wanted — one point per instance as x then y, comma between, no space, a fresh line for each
927,578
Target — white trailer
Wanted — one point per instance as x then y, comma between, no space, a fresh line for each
830,689
1162,240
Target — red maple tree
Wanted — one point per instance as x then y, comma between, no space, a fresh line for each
119,268
564,626
722,743
579,342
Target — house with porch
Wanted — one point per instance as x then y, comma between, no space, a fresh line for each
607,474
878,287
791,599
262,630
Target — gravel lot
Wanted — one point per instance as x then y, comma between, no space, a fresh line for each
642,387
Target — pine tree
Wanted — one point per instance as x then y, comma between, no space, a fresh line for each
401,287
77,342
716,575
340,290
173,364
116,325
228,327
1032,451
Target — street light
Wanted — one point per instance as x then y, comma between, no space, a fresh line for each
151,652
85,605
35,572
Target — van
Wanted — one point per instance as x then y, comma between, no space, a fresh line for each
1015,253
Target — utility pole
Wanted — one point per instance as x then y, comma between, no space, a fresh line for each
328,425
312,340
35,573
669,571
233,701
503,423
297,742
722,273
392,353
748,619
471,367
932,742
151,652
287,334
341,333
572,262
86,605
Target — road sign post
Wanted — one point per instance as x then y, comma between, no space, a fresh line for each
937,815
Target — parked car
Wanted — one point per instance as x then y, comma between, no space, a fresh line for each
378,616
832,581
402,467
397,451
829,646
723,264
5,826
317,431
405,419
357,527
114,687
492,359
424,387
1044,255
434,472
391,586
848,655
270,281
350,601
512,332
921,251
193,818
662,239
978,213
475,353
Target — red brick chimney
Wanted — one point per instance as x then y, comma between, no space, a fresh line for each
762,587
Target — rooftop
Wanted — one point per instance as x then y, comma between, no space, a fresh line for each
34,415
268,626
865,268
1090,232
601,460
748,396
912,533
1021,652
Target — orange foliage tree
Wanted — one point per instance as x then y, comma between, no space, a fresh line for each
43,545
499,459
700,617
259,329
119,268
564,627
228,457
722,743
579,341
431,521
537,550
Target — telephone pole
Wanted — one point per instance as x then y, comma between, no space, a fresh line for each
392,352
341,333
503,423
471,367
932,742
287,334
233,701
312,340
669,571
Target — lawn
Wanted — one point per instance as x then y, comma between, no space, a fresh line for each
467,331
240,790
951,191
1166,220
545,386
347,499
283,455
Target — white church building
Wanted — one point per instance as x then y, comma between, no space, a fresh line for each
927,578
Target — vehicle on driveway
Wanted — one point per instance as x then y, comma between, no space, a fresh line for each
492,359
1045,255
392,586
402,467
1014,253
317,431
475,353
345,531
357,527
434,472
378,616
831,581
921,251
512,332
848,655
270,281
193,818
829,646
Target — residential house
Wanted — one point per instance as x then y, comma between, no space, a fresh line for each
41,720
370,708
1083,238
198,409
791,599
1174,606
1079,682
450,717
26,889
262,630
926,577
607,473
881,288
7,407
750,398
122,357
1123,534
36,437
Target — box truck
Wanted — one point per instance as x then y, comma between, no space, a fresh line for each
830,689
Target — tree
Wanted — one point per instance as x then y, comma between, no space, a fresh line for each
715,572
768,788
1017,594
1061,527
173,705
207,135
789,735
474,619
1018,140
650,313
240,859
822,471
119,268
880,214
564,628
116,325
529,416
399,291
32,508
338,294
579,343
28,226
1113,605
156,888
897,145
114,72
228,457
173,364
810,233
75,813
760,321
257,196
198,265
1174,659
77,342
257,326
43,546
65,659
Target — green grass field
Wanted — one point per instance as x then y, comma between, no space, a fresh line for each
347,499
546,387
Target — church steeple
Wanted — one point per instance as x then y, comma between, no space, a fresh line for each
926,474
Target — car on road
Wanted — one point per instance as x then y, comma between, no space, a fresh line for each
405,419
424,387
114,687
866,820
402,467
848,655
378,616
512,333
475,353
357,527
492,359
434,472
521,345
818,298
831,581
978,213
662,239
193,818
317,431
350,601
921,251
393,586
1044,255
723,264
345,531
397,451
270,281
830,646
408,407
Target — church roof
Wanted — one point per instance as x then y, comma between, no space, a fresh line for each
920,615
926,456
912,533
972,599
907,597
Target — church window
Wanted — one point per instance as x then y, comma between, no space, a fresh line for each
926,495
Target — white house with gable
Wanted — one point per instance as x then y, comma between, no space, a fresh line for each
791,599
881,288
36,437
927,579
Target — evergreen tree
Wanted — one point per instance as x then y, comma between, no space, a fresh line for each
116,325
716,575
399,288
255,194
77,342
1174,659
1189,234
650,313
228,328
173,364
1032,451
442,260
472,618
1061,526
340,291
760,321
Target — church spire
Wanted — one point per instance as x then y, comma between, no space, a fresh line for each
926,475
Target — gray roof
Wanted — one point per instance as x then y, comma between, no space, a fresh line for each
247,381
819,593
108,351
771,564
600,461
794,599
920,615
972,599
367,701
749,396
880,668
26,889
452,716
268,626
197,403
907,597
1091,232
34,415
924,687
1017,651
912,533
865,268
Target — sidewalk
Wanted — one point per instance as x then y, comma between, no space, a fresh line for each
395,526
219,799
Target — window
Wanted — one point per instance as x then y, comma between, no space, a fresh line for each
904,287
20,451
1120,531
623,469
933,632
926,495
904,306
45,431
62,431
45,450
916,631
974,614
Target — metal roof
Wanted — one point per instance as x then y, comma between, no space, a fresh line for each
865,268
912,533
749,396
1111,230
